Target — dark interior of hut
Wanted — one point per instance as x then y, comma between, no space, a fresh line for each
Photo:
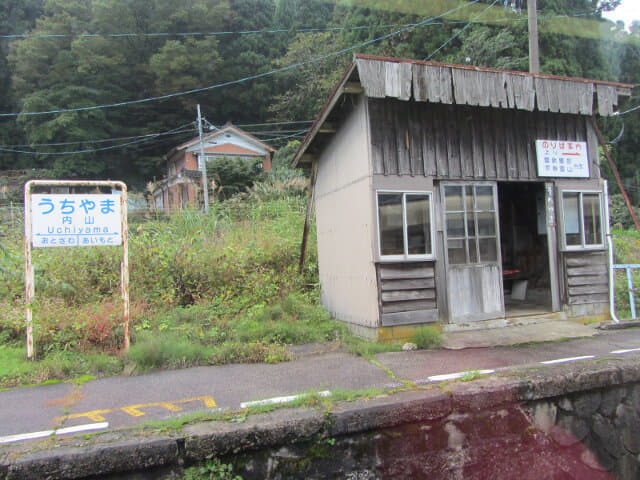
523,238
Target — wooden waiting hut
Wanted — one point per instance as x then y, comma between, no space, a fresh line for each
458,195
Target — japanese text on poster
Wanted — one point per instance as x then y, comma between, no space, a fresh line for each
76,220
559,158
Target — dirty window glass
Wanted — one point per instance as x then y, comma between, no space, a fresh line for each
405,224
390,220
471,224
582,219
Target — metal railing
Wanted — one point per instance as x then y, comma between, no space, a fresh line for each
630,286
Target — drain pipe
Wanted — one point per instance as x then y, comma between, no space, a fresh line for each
612,287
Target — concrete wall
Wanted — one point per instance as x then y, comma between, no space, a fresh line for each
345,223
570,421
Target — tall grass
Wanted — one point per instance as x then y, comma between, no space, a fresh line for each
206,289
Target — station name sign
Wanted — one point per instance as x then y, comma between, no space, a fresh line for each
560,158
76,220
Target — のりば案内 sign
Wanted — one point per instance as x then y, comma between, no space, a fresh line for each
560,158
76,220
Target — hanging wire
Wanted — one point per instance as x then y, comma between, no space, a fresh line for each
244,79
93,150
461,30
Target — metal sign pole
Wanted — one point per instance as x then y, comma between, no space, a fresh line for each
124,266
28,244
29,289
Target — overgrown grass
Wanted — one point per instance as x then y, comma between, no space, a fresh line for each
627,251
205,289
427,337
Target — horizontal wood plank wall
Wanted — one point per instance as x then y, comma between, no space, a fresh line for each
587,277
407,293
462,142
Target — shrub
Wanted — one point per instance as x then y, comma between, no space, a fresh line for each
233,175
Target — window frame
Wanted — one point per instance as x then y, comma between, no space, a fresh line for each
582,246
406,256
477,237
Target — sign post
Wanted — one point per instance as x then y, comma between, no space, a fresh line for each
75,220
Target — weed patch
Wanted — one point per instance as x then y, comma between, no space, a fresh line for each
427,338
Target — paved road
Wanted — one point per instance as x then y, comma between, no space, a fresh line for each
123,401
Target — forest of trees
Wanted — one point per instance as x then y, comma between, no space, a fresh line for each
258,64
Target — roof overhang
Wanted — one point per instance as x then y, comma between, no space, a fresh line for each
403,79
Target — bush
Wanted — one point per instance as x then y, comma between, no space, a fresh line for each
233,175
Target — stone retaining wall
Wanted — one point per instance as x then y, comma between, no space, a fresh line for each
578,421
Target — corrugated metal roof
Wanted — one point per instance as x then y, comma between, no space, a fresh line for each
404,79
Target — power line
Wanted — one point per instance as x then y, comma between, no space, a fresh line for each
274,123
102,140
241,80
633,109
461,30
297,134
261,31
93,150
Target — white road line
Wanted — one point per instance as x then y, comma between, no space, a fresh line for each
453,376
629,350
278,400
565,360
47,433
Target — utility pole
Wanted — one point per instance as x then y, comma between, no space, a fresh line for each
202,166
534,56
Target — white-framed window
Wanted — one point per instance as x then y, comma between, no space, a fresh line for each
471,223
582,219
405,231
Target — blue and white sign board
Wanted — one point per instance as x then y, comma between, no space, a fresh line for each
560,158
76,220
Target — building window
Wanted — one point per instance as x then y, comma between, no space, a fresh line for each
582,213
471,224
404,221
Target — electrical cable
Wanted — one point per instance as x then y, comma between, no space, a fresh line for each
633,109
617,139
471,22
298,134
273,123
261,31
241,80
92,150
103,140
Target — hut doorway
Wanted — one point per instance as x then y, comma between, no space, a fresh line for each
472,240
524,248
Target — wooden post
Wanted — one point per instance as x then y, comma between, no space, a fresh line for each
550,220
534,55
614,169
307,219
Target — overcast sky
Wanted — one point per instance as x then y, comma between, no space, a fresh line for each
628,11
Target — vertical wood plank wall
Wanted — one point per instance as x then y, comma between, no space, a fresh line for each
461,142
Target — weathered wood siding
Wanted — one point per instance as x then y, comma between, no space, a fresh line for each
586,277
455,84
475,292
407,293
461,142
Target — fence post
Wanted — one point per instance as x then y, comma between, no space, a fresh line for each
632,300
